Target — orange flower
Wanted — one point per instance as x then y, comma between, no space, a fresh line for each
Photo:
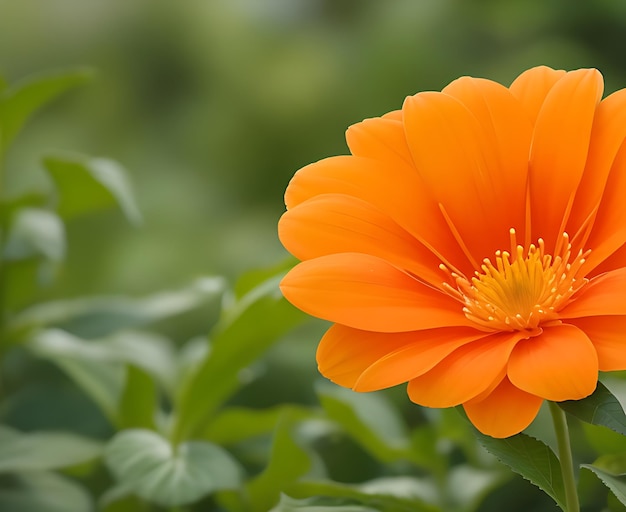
472,245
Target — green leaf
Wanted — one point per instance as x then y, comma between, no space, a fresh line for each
530,458
85,185
44,450
245,331
616,483
392,494
139,400
237,424
148,465
369,418
99,316
600,408
288,504
39,491
35,232
19,102
288,462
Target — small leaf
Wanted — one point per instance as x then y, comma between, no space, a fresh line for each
39,491
288,504
244,332
19,102
44,450
139,400
532,459
147,465
86,185
368,418
616,483
600,408
35,232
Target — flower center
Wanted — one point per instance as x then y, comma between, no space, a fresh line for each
523,289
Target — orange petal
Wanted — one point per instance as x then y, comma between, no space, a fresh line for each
559,364
395,189
607,135
532,87
409,361
454,155
380,138
505,412
607,335
334,223
366,292
603,295
345,353
465,373
609,228
559,150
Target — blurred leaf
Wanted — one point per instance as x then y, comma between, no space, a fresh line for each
288,504
86,185
139,400
92,317
253,278
600,408
616,483
244,332
39,491
236,424
603,440
10,206
530,458
288,462
391,494
44,450
467,486
147,465
35,232
369,418
19,102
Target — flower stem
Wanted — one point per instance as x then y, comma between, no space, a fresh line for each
565,457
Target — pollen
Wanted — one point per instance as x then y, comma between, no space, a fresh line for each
522,288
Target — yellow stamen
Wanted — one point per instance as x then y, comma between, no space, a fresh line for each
523,289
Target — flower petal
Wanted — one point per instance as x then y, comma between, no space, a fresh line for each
505,412
335,223
559,364
471,145
607,136
608,335
366,292
380,138
559,150
409,361
395,189
603,295
344,353
465,373
532,87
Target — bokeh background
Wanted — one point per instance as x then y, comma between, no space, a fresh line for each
212,105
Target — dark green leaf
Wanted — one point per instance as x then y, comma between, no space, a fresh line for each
600,408
39,491
86,185
244,332
44,450
147,465
530,458
616,483
369,418
19,102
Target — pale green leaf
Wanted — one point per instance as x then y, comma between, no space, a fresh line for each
148,465
44,450
35,232
287,504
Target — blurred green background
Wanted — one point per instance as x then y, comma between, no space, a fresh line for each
213,104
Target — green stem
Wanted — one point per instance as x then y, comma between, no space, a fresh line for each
565,457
